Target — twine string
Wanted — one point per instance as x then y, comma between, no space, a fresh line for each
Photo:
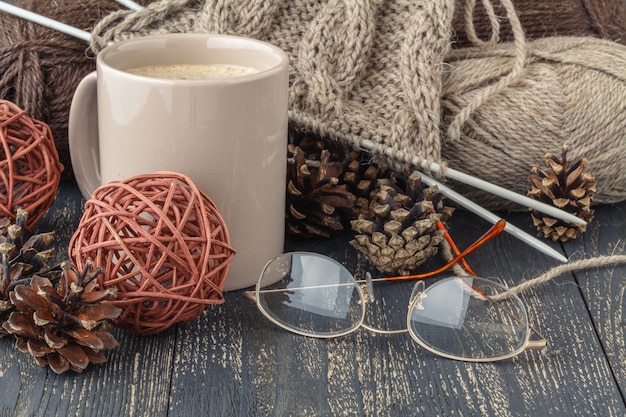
577,265
470,30
589,263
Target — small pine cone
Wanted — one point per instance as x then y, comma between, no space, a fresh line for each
400,232
21,259
314,194
65,327
566,186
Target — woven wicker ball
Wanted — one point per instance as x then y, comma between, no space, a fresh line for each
162,244
29,164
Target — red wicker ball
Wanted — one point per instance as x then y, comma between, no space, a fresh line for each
162,244
29,165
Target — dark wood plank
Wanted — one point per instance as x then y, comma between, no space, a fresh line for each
135,381
604,289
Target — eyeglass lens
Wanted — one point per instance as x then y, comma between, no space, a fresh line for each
458,318
314,295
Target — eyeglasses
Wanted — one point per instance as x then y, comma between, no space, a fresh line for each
456,317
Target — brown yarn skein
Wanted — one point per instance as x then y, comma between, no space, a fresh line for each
604,19
40,67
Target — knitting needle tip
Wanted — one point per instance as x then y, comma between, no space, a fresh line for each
507,194
491,217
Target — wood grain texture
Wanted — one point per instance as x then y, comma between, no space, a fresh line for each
233,361
604,289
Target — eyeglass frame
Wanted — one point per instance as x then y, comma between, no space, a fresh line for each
419,289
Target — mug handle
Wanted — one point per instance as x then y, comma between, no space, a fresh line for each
83,136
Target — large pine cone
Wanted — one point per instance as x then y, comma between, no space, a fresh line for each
328,184
21,259
65,327
315,197
400,232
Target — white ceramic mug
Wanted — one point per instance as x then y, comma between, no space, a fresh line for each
229,135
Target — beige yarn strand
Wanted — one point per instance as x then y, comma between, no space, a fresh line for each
519,42
470,30
594,262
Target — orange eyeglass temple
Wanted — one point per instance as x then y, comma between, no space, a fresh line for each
495,230
454,248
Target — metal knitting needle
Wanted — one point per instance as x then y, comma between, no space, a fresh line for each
55,24
130,4
483,185
489,216
45,21
504,193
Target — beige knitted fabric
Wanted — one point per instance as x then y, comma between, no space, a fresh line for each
382,71
360,69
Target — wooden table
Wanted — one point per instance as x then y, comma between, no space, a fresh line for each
232,361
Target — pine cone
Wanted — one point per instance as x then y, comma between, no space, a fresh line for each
400,232
314,194
65,327
361,176
567,187
20,260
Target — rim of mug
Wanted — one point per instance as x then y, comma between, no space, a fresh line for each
258,45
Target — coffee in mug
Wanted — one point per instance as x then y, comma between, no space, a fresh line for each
193,71
229,135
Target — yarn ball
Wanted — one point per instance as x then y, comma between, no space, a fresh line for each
29,165
163,246
604,19
41,67
570,91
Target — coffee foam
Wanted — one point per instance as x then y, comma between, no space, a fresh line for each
193,71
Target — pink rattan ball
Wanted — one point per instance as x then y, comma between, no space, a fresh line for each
162,244
29,165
